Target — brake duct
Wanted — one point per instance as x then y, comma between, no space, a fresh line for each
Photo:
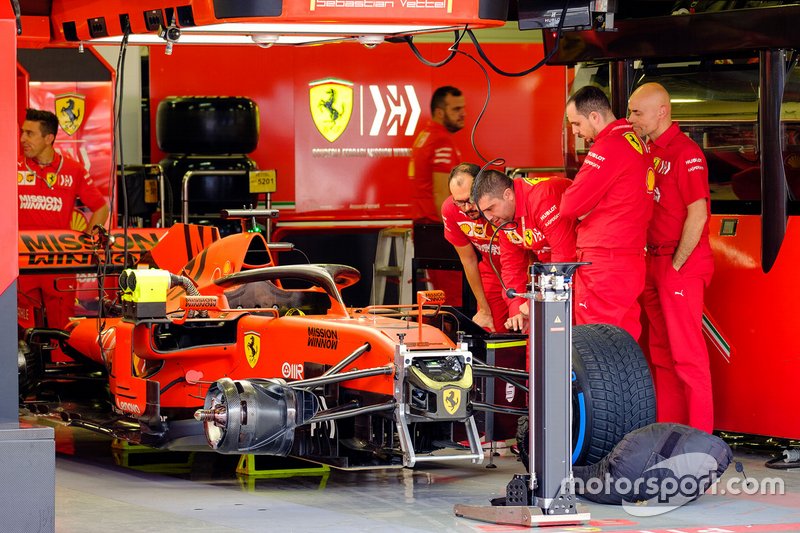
262,414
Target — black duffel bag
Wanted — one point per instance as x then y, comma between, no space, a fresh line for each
663,465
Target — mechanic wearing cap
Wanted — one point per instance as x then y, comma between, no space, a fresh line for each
529,210
48,184
679,263
470,234
434,153
612,198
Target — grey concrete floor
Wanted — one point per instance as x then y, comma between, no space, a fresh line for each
95,492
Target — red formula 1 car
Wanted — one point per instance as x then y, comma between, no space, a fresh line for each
211,343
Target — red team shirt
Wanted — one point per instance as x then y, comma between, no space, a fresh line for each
47,193
540,229
610,188
682,180
434,150
460,230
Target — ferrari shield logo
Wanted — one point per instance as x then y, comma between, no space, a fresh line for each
633,140
529,237
452,400
331,103
252,347
535,181
70,110
51,179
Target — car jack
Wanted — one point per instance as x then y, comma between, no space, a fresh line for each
545,496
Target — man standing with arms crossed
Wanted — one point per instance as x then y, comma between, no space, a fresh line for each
679,263
612,198
434,153
470,234
538,228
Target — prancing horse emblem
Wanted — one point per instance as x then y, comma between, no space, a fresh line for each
252,347
331,103
70,110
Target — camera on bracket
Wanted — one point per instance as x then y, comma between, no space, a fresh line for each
170,33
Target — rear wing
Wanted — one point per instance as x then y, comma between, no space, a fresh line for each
62,251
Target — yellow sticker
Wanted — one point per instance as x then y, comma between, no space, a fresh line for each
263,181
150,191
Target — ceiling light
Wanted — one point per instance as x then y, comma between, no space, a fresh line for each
370,41
265,40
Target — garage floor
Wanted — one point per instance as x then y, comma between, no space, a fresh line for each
95,492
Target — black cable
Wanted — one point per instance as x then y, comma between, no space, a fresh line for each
537,66
301,252
17,15
497,162
457,35
491,243
483,109
120,82
116,134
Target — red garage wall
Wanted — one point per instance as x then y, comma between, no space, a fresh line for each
362,173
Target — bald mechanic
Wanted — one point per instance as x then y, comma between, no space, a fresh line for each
470,234
612,198
679,263
434,153
527,209
48,184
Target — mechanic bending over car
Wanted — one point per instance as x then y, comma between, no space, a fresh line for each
48,183
471,234
527,212
612,200
679,263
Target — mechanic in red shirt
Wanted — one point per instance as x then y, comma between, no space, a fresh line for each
48,184
471,235
612,198
526,211
679,263
434,153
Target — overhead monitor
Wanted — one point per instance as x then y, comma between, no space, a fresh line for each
546,14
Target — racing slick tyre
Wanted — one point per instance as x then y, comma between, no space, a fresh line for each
207,125
612,393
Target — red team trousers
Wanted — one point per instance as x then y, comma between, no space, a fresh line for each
607,291
674,304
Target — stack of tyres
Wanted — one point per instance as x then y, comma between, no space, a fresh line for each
207,133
